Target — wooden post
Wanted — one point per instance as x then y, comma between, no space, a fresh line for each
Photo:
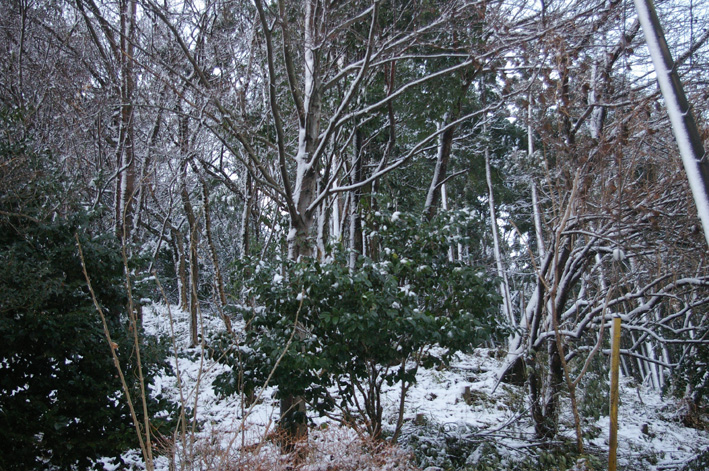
420,419
615,366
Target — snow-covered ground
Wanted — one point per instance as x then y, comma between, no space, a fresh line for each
441,415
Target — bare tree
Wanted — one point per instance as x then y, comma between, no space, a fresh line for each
606,196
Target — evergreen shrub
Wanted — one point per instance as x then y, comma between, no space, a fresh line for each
61,402
360,327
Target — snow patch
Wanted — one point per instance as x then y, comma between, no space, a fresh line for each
460,401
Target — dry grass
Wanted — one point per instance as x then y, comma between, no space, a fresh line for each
329,449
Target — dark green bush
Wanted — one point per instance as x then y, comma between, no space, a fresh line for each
360,329
61,403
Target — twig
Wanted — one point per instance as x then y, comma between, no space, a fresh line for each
147,455
136,340
268,379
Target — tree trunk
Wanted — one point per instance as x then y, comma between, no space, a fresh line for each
125,153
504,283
293,421
194,264
193,229
544,395
302,216
445,144
178,249
355,242
244,234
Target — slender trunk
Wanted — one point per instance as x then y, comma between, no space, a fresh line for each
650,369
402,403
178,249
504,284
323,235
244,239
193,263
546,418
193,229
652,366
293,420
147,173
567,376
451,249
194,282
218,280
356,242
126,162
539,235
445,145
335,229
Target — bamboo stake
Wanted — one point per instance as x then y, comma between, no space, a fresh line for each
615,363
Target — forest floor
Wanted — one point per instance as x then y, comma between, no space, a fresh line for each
445,427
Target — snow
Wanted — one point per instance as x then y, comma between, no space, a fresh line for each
292,233
644,428
458,401
618,255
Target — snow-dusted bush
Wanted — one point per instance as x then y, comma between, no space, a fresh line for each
358,329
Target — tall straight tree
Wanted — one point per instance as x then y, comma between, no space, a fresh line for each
125,151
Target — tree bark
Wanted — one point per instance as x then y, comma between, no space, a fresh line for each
178,249
126,162
504,283
193,259
193,229
356,242
445,146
